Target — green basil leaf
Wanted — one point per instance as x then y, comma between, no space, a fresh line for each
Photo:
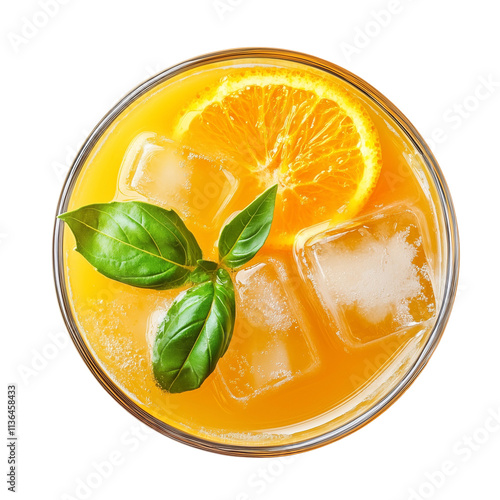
135,243
203,272
207,265
244,235
195,334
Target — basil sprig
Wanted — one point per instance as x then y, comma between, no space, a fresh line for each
146,246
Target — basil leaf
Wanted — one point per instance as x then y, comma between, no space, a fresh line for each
203,272
194,335
207,265
135,243
243,237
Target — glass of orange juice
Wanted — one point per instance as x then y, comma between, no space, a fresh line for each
346,300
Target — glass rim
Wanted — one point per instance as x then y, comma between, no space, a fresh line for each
450,274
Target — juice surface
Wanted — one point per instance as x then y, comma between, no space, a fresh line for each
292,365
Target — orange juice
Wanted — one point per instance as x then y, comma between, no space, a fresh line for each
337,304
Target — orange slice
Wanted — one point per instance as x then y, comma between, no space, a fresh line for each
304,132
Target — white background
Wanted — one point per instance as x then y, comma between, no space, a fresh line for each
60,78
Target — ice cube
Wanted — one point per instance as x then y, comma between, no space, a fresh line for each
271,344
372,275
166,173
